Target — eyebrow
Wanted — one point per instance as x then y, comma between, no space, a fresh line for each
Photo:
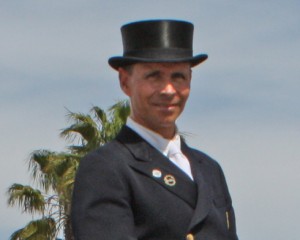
179,74
153,73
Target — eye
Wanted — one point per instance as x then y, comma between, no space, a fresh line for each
154,78
179,77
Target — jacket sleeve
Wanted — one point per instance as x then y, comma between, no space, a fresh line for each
101,202
229,211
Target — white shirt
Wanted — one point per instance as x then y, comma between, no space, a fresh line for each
163,145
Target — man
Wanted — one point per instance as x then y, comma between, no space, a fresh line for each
147,184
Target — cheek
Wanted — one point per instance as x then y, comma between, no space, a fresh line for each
137,97
185,93
142,91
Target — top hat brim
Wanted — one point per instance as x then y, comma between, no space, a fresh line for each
116,62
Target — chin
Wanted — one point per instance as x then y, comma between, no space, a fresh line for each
167,123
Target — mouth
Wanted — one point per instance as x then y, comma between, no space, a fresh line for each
166,106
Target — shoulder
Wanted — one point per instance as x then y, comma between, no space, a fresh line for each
103,168
211,169
201,157
111,149
210,166
111,155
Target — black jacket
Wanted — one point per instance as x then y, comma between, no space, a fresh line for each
127,190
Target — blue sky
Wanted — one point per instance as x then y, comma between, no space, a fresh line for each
243,109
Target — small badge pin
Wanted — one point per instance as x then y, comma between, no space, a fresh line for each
170,180
156,173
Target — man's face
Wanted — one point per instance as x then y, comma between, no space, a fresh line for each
158,93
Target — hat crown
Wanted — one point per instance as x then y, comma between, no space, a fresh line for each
148,41
162,35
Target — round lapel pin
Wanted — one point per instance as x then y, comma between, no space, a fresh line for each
170,180
156,173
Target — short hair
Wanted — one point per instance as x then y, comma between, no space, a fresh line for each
128,68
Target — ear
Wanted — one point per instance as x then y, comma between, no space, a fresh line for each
124,78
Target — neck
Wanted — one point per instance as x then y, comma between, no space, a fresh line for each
167,132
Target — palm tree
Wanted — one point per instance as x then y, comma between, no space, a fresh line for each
95,129
54,172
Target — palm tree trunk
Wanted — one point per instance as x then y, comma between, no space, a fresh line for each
68,229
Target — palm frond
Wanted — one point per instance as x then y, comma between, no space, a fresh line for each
99,114
84,127
41,229
29,199
120,111
49,168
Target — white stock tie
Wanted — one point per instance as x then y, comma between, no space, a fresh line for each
177,157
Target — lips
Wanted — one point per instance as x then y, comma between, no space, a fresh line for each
166,104
167,107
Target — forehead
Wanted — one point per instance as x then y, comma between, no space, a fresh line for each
182,66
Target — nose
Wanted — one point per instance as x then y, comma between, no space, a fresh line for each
168,88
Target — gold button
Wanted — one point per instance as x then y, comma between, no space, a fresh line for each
190,237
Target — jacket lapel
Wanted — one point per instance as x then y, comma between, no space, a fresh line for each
150,162
204,201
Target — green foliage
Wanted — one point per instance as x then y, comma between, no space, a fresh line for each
42,229
54,172
31,199
95,129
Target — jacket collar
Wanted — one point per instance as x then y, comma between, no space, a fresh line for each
155,165
147,159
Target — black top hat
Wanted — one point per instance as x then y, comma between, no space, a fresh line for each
157,41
